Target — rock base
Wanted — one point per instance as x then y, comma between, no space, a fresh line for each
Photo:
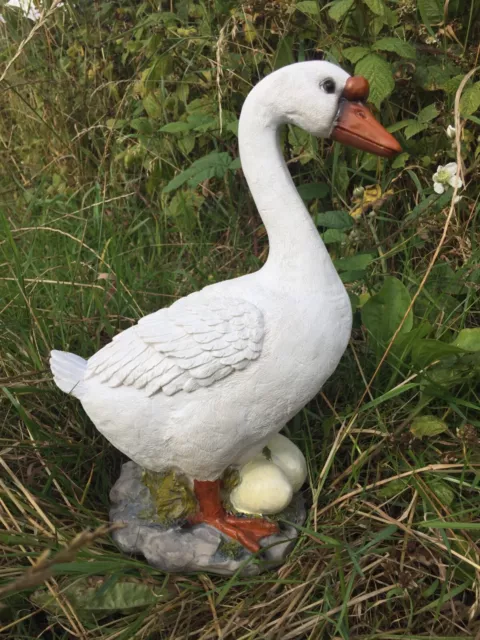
185,549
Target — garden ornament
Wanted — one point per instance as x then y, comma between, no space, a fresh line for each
203,386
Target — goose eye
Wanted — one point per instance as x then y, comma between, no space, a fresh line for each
329,86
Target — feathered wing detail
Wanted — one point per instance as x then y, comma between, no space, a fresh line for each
192,344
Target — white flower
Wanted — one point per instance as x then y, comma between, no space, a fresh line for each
28,8
446,176
451,132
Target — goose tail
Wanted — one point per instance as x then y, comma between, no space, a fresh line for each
68,372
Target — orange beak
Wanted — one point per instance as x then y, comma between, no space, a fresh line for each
356,126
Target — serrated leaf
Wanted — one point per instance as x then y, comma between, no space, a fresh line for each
428,113
431,12
376,6
444,493
334,220
427,426
339,9
152,106
400,161
470,100
435,75
451,85
142,125
393,488
354,263
313,190
176,127
379,74
426,351
309,7
398,126
413,128
468,339
351,276
354,54
95,599
384,311
395,45
284,53
333,235
212,165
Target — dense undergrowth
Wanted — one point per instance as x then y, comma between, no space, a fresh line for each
121,190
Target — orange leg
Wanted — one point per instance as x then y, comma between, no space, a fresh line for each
247,531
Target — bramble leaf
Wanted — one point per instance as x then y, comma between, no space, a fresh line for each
395,45
379,74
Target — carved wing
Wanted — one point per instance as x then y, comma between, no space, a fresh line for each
189,345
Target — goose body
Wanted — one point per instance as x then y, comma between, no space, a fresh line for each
205,383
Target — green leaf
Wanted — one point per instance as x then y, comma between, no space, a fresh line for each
425,352
433,76
428,113
393,488
152,106
383,312
339,9
470,100
235,164
398,126
313,190
142,125
379,74
413,128
212,165
354,54
468,339
176,127
284,54
400,47
334,220
431,12
351,276
333,235
97,599
354,263
427,426
310,7
451,85
376,6
341,177
443,491
400,161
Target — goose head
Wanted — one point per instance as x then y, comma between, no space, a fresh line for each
325,101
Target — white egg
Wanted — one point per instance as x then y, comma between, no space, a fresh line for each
290,459
264,488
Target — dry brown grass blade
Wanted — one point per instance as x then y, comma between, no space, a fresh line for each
43,568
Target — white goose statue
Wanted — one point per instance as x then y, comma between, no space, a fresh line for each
204,384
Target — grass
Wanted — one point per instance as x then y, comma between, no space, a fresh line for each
390,548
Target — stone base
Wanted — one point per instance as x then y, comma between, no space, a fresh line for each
185,549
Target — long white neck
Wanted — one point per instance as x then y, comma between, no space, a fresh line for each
297,253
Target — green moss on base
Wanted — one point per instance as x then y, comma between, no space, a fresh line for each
231,548
172,495
230,480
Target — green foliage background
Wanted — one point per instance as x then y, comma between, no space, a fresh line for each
121,190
